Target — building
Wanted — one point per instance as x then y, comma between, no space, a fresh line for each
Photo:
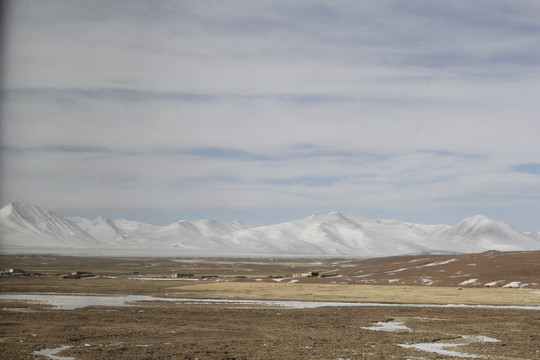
180,276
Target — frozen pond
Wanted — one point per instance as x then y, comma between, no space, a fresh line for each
70,302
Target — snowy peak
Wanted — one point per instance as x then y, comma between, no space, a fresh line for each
108,230
331,217
484,233
479,225
207,227
327,234
24,212
30,228
32,225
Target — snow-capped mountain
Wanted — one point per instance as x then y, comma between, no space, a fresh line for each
481,232
200,236
330,234
109,231
26,225
28,228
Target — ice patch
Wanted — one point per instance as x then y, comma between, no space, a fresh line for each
387,326
481,338
438,348
50,353
70,302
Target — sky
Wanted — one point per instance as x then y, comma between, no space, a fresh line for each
268,111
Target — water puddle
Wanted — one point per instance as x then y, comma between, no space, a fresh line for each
70,302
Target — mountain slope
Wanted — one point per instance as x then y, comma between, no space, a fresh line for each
330,234
26,225
28,228
479,233
110,231
197,236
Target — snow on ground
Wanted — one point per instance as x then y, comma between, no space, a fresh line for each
468,282
513,284
438,348
387,326
50,353
480,338
494,283
444,262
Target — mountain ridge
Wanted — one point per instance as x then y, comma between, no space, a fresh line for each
28,228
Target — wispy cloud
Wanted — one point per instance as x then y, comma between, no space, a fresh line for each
530,168
376,107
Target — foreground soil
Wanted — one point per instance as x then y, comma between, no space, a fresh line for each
174,330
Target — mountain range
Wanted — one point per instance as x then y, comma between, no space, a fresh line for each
27,228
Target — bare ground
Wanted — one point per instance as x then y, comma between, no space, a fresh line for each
160,330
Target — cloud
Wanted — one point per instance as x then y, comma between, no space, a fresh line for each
271,105
530,168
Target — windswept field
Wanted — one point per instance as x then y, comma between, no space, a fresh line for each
388,324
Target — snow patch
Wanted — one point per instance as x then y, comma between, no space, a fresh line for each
50,353
468,282
480,338
513,284
387,326
441,262
439,348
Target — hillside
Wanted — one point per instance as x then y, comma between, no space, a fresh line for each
27,228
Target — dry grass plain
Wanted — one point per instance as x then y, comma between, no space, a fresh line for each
179,330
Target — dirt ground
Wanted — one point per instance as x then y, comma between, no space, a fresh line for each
174,330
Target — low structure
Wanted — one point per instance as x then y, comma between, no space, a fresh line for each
76,275
17,272
180,276
306,275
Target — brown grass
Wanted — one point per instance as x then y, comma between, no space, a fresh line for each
359,293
